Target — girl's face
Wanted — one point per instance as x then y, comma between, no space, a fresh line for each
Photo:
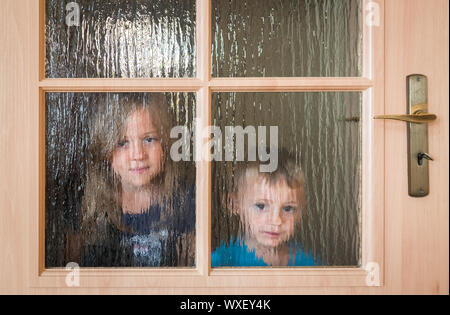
138,157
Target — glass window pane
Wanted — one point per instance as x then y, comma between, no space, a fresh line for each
286,38
114,197
120,38
286,190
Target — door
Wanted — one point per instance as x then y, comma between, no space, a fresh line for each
404,239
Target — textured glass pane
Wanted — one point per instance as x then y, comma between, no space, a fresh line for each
286,38
303,209
113,195
120,38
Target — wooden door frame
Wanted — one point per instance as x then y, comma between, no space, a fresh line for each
371,84
20,272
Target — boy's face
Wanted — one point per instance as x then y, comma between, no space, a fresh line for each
138,157
269,211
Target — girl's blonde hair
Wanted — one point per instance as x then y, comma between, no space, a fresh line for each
102,201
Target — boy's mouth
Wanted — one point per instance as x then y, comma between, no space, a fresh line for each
272,234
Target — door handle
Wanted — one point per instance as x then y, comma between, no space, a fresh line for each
417,119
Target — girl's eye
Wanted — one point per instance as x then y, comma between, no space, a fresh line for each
150,139
288,209
260,206
123,143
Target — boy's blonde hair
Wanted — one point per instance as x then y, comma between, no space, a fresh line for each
288,170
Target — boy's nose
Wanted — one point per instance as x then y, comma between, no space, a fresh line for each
276,217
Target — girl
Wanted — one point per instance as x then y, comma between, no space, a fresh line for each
136,211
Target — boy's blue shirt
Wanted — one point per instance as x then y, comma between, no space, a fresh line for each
237,254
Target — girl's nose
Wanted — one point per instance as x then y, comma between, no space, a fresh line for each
137,151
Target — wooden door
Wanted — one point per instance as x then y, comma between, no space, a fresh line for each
417,43
413,243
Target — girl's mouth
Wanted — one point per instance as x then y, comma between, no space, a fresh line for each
139,170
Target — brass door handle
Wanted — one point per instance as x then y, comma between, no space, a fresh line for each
417,118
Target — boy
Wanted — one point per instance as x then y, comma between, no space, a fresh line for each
270,207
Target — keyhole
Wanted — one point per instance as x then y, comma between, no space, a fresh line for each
422,156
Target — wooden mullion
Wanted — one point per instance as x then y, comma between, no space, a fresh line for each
121,85
203,178
289,84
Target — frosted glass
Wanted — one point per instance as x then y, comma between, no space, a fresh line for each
286,38
83,132
321,134
120,39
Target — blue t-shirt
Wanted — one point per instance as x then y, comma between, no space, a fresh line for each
237,254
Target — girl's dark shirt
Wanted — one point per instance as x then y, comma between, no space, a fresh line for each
146,240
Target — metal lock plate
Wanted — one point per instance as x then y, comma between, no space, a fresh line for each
418,168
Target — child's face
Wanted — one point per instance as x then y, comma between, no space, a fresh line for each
138,157
269,211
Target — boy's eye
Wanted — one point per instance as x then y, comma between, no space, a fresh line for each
288,208
260,206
